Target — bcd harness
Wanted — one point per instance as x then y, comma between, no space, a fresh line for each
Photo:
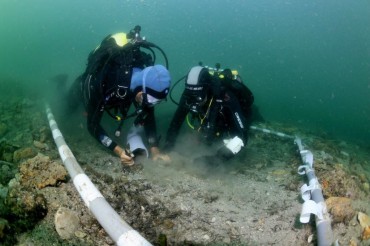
111,64
195,75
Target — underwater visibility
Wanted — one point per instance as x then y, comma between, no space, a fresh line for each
185,123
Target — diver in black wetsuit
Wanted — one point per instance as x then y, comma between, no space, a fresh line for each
221,106
119,73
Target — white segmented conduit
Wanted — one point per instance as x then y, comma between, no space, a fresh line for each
314,202
279,134
120,232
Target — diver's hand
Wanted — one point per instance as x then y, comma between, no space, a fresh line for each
157,155
126,159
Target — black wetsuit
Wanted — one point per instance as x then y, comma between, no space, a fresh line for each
105,87
228,104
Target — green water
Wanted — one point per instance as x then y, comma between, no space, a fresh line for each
307,62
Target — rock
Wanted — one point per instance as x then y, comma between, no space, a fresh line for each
310,238
353,242
66,223
362,177
168,224
340,208
366,186
364,220
23,154
40,172
25,204
7,172
206,237
366,233
7,150
44,134
337,183
80,234
40,145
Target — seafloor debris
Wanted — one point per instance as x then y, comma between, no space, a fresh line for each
24,153
340,209
66,222
40,172
181,203
364,220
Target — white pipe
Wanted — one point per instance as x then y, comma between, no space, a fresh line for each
279,134
314,202
120,232
317,205
135,141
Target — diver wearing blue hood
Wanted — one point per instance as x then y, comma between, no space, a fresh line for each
118,74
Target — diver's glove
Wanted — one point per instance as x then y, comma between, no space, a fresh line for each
231,147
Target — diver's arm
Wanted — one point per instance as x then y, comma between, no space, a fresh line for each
239,128
245,98
240,124
94,115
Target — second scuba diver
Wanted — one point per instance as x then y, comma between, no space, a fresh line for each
220,104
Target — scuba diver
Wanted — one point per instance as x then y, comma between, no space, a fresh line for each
120,72
217,104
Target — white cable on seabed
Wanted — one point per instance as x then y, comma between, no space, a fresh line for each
316,205
120,232
279,134
314,202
